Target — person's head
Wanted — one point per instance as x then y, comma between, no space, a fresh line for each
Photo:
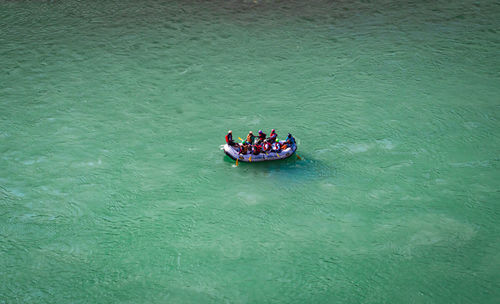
272,131
260,132
289,135
250,132
230,132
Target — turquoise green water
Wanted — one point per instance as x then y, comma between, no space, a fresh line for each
113,188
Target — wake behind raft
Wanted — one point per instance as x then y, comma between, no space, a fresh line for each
260,153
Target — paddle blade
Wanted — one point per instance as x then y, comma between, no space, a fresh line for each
236,162
298,157
240,138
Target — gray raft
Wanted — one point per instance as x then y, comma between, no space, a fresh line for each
262,156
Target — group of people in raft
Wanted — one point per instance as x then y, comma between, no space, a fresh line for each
261,143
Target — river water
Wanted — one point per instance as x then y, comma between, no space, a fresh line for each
113,187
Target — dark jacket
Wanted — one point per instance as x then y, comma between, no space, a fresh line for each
229,138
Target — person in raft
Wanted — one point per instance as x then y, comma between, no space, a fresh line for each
250,138
244,148
229,138
262,137
272,137
289,141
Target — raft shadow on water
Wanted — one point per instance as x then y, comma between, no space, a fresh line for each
291,168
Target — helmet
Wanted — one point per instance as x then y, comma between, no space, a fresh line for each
289,135
250,132
260,131
229,131
272,130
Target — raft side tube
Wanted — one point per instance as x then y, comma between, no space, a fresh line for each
263,156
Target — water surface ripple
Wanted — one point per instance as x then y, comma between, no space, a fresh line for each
113,187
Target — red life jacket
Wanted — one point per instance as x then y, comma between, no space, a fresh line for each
276,147
229,138
272,136
266,146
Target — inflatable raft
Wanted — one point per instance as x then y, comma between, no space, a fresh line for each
262,156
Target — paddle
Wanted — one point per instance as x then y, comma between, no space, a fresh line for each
236,162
